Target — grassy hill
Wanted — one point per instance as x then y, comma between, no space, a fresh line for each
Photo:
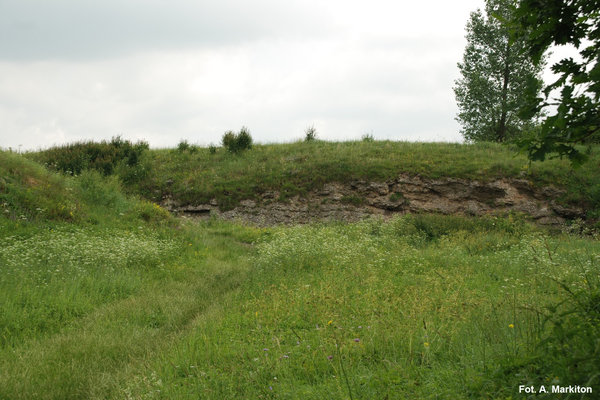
106,296
197,175
29,192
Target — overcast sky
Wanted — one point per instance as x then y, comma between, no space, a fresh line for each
166,70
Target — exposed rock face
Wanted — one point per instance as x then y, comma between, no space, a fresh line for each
405,194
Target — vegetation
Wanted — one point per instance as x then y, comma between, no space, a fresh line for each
31,193
203,175
119,300
28,191
105,157
368,137
497,73
575,116
237,142
310,134
296,168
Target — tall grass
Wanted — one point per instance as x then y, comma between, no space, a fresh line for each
387,310
419,307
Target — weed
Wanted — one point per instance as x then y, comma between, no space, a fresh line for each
353,200
397,197
310,134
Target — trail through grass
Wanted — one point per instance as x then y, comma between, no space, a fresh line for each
419,307
83,308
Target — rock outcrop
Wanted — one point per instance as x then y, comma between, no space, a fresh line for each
405,194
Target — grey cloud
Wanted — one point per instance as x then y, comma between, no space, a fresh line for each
170,70
90,29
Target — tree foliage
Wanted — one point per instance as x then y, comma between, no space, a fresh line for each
496,75
575,117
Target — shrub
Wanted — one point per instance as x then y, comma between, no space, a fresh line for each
183,146
228,141
139,172
152,212
244,140
102,156
236,143
368,137
310,134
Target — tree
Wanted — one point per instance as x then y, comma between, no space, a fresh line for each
575,117
496,74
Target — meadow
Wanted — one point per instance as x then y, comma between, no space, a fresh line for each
107,296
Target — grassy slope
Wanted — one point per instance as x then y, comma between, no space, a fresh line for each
119,301
87,296
296,168
28,191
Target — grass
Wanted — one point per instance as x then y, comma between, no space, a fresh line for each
408,308
28,191
120,301
383,310
82,325
296,168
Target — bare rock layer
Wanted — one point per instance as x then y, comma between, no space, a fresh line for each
405,194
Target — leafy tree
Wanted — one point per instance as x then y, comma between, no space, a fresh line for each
496,74
575,117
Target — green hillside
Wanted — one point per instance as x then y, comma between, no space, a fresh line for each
193,175
297,168
104,295
29,192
